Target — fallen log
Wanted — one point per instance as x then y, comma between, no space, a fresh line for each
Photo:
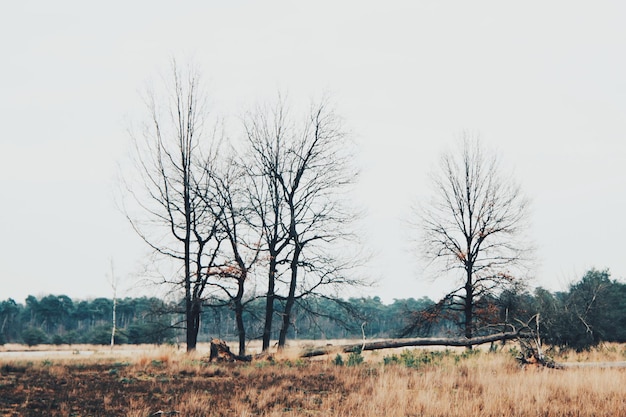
398,343
570,365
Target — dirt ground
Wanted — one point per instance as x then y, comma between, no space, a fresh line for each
113,389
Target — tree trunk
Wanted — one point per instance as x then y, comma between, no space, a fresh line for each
269,303
469,305
291,298
241,328
190,339
282,337
397,343
113,328
193,324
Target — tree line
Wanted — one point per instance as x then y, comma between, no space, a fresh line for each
591,311
60,320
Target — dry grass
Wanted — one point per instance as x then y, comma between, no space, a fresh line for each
606,352
454,384
491,386
447,383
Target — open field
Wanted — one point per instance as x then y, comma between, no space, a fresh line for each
138,382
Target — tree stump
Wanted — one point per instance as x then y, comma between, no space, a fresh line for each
220,352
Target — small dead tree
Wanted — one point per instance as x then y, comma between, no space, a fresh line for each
475,224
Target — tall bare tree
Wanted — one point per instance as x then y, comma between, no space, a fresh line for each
301,171
231,272
173,154
317,174
475,224
266,131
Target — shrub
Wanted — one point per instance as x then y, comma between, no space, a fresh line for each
391,360
355,358
102,336
151,332
34,336
415,358
58,339
338,360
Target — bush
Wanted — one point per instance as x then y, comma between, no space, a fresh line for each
34,336
415,358
150,332
391,360
71,337
102,336
355,358
338,360
58,339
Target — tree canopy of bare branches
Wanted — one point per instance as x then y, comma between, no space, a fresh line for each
242,242
476,225
174,158
217,214
298,172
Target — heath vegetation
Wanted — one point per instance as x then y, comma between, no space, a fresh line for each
416,382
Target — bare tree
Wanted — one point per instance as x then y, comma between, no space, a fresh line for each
231,273
475,224
114,282
266,134
173,155
301,171
317,173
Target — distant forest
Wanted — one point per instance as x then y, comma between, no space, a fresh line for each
591,311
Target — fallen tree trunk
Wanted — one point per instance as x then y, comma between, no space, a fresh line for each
397,343
569,365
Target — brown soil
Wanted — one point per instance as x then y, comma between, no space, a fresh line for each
114,389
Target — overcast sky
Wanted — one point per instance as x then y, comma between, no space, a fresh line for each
542,82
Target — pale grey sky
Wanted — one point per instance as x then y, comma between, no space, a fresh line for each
543,83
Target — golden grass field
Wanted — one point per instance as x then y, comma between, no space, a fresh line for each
141,381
